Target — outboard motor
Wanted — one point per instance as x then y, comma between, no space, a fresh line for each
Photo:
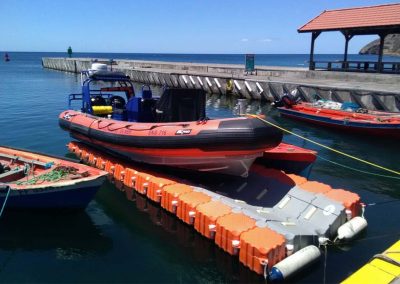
97,101
287,100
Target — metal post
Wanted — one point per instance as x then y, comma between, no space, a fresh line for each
381,43
313,38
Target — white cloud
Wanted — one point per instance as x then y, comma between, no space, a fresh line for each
244,39
266,40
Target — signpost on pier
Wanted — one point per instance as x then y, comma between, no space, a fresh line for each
249,66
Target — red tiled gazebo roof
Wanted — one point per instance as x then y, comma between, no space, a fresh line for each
360,18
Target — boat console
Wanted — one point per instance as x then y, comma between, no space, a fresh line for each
111,95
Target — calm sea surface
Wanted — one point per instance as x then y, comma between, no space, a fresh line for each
115,240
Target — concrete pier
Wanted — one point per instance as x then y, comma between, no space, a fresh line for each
371,91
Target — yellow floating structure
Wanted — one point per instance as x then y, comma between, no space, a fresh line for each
382,268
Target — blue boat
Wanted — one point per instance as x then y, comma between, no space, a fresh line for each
33,180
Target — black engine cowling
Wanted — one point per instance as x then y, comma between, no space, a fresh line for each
97,101
117,102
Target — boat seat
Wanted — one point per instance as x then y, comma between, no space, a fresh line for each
9,174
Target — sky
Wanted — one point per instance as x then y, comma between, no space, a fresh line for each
170,26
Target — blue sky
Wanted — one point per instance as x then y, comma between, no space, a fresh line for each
170,26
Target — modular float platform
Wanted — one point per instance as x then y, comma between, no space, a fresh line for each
370,91
299,215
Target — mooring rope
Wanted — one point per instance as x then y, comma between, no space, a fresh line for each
5,201
357,170
324,146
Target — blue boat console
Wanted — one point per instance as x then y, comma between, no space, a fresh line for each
111,94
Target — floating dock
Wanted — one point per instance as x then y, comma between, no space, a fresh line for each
261,237
370,91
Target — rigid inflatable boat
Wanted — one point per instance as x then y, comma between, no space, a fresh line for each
172,130
346,116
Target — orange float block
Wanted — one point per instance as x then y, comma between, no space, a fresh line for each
119,172
78,152
260,247
156,186
315,187
92,159
72,147
229,228
100,163
110,167
142,182
207,215
85,155
170,194
187,204
351,201
298,180
130,177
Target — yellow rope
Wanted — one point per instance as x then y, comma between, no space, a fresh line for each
323,146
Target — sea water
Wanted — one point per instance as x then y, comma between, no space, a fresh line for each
116,240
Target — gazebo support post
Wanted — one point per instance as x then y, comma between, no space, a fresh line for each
347,38
381,43
313,38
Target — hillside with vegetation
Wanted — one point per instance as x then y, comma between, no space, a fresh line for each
391,46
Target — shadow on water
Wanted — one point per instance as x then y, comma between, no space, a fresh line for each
70,233
205,262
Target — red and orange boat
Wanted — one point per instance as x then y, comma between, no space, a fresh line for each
339,116
172,130
289,158
33,180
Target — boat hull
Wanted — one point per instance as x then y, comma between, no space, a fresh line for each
345,124
290,159
74,196
227,146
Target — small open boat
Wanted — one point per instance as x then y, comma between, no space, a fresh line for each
32,180
343,116
290,159
172,130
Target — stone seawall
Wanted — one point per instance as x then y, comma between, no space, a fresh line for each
371,91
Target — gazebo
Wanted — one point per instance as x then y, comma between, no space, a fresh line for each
378,20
